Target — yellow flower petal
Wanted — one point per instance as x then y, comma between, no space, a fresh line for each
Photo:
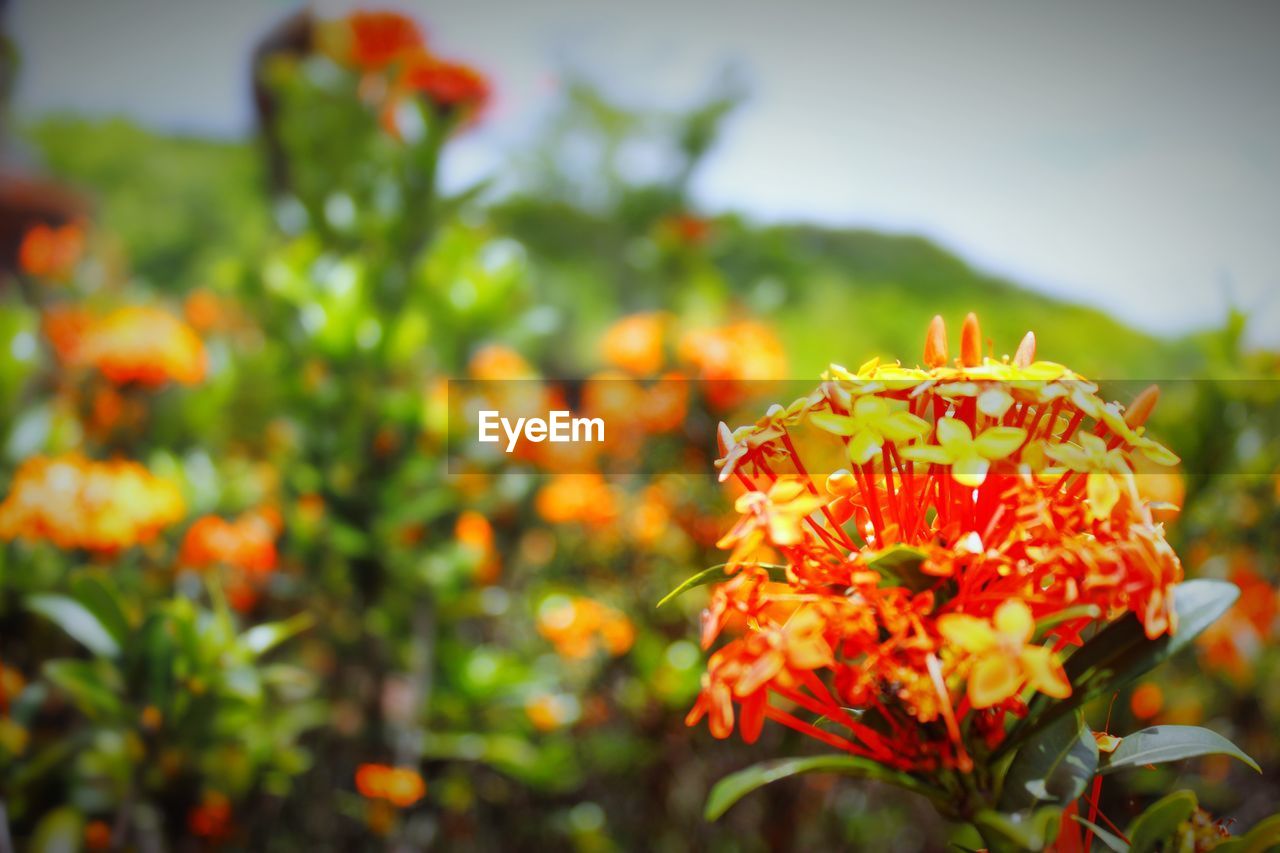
999,442
1013,620
954,435
1104,492
970,470
970,633
994,679
1044,673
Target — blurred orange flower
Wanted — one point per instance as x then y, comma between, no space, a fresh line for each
212,818
725,356
450,87
635,343
400,786
75,502
584,498
139,344
578,626
378,38
247,543
475,534
51,251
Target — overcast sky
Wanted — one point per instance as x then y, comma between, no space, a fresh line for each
1121,154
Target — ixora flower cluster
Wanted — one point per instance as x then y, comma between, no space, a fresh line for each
75,502
982,514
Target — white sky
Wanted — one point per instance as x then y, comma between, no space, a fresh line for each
1120,154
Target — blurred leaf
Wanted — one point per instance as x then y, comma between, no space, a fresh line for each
1265,836
735,786
1121,652
1109,840
74,618
716,574
102,602
59,831
1160,744
1055,766
1160,821
83,683
1008,832
262,638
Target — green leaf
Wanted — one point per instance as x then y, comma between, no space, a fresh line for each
1109,840
1160,821
715,574
1264,836
262,638
1010,832
74,618
734,787
902,563
1053,767
1160,744
1121,652
100,600
87,686
58,830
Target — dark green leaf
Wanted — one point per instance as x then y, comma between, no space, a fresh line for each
1160,744
1055,766
74,618
1160,821
715,574
734,787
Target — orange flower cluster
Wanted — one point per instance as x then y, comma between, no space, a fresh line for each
578,626
49,251
75,502
984,512
400,786
248,543
725,356
584,498
138,344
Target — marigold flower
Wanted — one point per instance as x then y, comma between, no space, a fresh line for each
400,786
139,344
74,502
51,251
981,497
